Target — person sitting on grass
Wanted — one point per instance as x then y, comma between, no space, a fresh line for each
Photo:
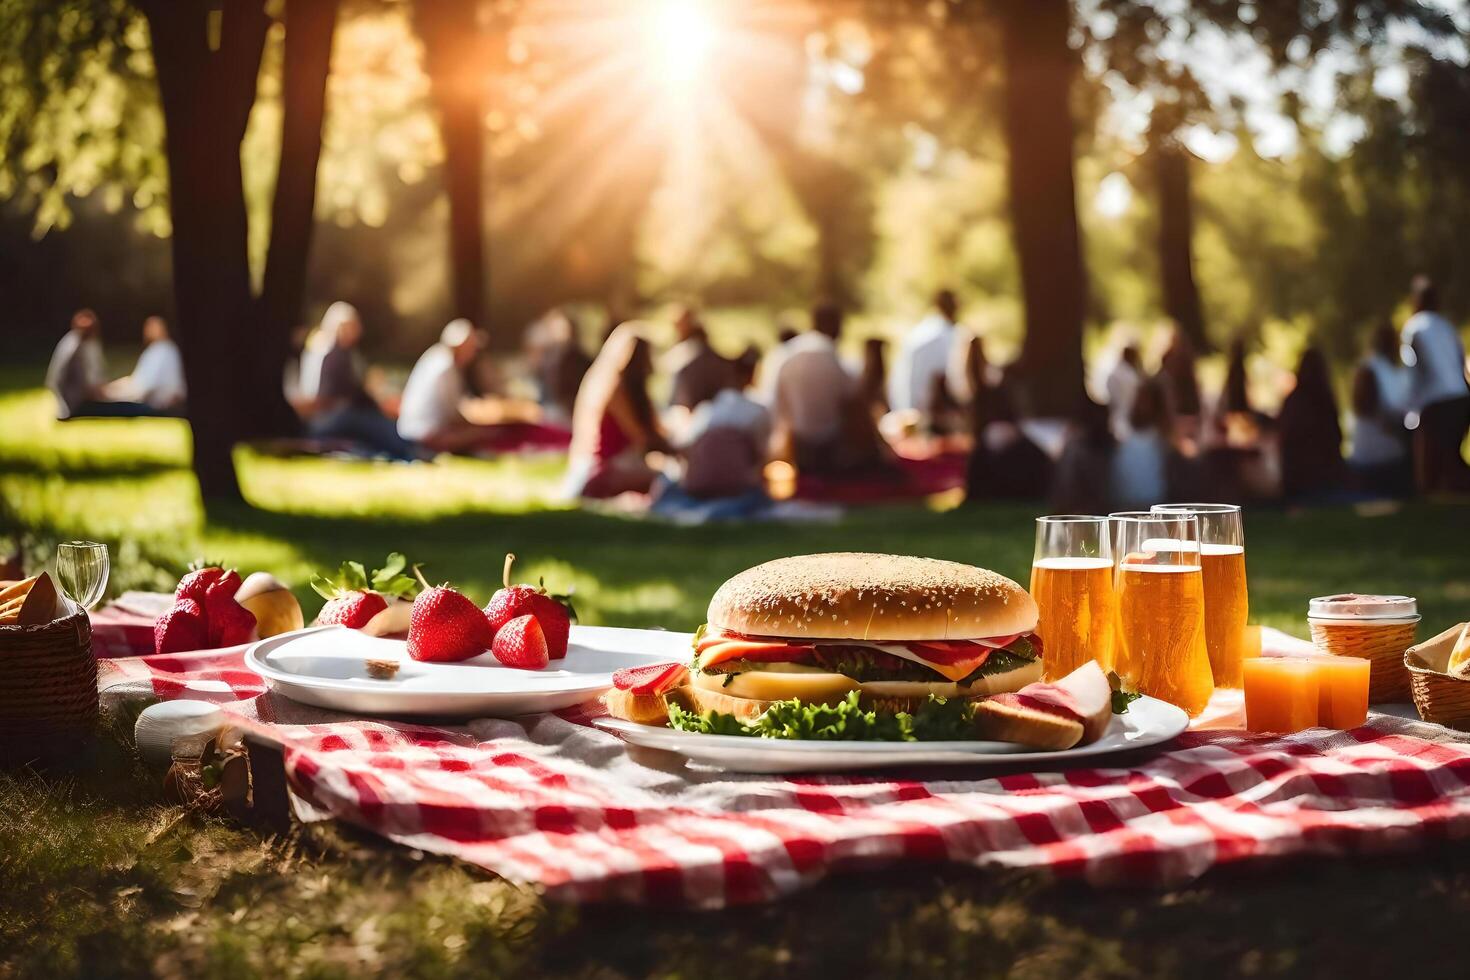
614,426
157,380
1138,476
75,375
697,372
1379,459
339,404
1311,435
429,413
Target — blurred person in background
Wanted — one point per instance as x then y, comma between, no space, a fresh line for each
429,412
557,363
1180,383
1122,386
872,384
1083,472
1311,434
809,393
75,374
1379,458
923,360
1005,464
1138,476
725,450
696,370
332,383
614,426
157,381
1440,395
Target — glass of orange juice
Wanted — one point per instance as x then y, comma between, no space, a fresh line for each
1160,646
1227,602
1072,583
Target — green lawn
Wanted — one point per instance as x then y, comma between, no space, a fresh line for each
102,877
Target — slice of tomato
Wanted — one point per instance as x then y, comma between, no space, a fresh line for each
951,654
652,679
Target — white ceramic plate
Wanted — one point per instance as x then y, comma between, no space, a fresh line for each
1147,722
326,666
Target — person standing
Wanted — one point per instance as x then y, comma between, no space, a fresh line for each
75,373
924,358
1123,383
1311,435
1435,354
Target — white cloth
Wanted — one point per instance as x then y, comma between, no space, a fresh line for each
806,386
158,377
1122,388
925,354
730,409
1432,347
432,395
1139,471
1380,439
74,372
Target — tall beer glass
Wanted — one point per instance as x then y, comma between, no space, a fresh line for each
1227,603
1160,645
1072,583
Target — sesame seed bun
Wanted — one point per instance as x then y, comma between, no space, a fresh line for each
871,597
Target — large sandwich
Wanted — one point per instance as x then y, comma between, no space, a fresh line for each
896,630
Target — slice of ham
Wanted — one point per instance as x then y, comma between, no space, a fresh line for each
1084,695
649,680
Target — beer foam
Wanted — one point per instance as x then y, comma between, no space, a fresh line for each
1145,567
1072,563
1181,545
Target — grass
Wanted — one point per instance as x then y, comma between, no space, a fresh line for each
103,877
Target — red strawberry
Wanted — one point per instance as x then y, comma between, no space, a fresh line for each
351,609
444,625
197,582
181,628
552,612
521,643
652,679
227,622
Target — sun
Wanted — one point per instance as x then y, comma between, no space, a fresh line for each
679,37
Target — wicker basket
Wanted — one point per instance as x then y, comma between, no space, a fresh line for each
1440,697
1381,644
48,683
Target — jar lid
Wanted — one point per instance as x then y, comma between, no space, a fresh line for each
1351,606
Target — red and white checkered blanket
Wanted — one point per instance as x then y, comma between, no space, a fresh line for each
550,801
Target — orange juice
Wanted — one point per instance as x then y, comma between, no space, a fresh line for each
1281,694
1342,691
1077,612
1161,647
1227,607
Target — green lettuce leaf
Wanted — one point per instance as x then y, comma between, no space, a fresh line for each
846,721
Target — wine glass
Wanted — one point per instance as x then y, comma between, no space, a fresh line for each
81,569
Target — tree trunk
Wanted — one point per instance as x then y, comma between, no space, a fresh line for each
1038,126
207,92
450,32
310,25
1171,163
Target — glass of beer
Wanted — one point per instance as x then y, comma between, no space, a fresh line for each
1227,605
1160,646
1072,583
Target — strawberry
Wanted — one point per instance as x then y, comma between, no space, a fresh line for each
351,609
198,580
554,613
521,643
181,628
444,626
353,599
228,623
652,679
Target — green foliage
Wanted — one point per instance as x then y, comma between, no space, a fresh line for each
389,581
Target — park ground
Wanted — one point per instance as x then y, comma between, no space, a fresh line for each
99,876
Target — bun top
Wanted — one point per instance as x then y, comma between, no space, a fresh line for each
871,597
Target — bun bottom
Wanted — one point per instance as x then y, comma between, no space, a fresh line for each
645,709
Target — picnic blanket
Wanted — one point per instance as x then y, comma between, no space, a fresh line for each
548,800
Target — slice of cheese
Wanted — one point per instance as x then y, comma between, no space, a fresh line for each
761,685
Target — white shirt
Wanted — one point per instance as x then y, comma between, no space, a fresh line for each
1123,383
158,377
924,355
432,395
806,387
1380,439
1139,471
1433,349
730,409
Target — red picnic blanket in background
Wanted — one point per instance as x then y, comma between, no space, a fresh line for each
548,800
